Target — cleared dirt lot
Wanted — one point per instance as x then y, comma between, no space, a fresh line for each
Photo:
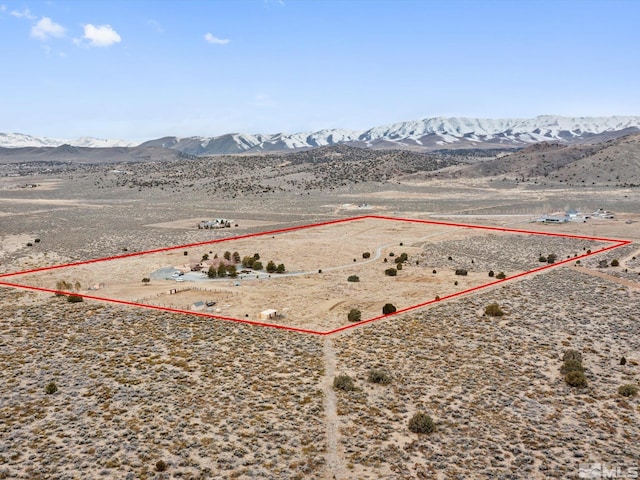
314,293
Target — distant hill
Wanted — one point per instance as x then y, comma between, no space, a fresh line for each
421,135
612,162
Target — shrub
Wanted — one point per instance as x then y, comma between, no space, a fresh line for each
366,255
236,257
491,274
354,315
434,271
575,379
74,299
37,240
271,267
493,310
343,382
388,308
391,272
257,265
146,280
551,258
205,257
421,423
571,366
161,466
353,278
461,271
227,256
231,271
572,355
628,390
399,266
62,285
186,253
542,259
615,262
379,376
29,244
280,268
501,276
51,388
391,254
623,361
212,272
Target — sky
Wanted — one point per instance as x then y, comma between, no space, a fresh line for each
140,69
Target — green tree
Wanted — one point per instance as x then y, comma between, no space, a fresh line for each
205,257
212,272
231,271
271,267
257,265
222,270
227,256
236,257
247,262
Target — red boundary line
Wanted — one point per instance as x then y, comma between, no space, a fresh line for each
617,243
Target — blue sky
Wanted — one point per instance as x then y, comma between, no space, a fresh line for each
144,69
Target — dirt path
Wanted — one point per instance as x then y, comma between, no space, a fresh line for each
335,462
611,278
623,261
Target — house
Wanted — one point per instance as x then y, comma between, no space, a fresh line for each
268,314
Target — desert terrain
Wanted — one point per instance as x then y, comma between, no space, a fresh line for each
143,393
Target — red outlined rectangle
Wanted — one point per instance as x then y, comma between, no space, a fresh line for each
614,243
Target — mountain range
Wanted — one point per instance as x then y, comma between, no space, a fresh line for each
420,135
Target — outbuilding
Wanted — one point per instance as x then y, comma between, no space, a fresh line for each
268,314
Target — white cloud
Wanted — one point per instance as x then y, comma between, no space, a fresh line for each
26,13
47,28
215,40
3,8
101,35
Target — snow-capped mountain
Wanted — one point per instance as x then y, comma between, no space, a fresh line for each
18,140
425,134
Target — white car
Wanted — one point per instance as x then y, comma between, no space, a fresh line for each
179,279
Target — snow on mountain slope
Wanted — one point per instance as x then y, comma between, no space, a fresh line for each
18,140
425,134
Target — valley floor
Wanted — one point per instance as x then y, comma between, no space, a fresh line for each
144,394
